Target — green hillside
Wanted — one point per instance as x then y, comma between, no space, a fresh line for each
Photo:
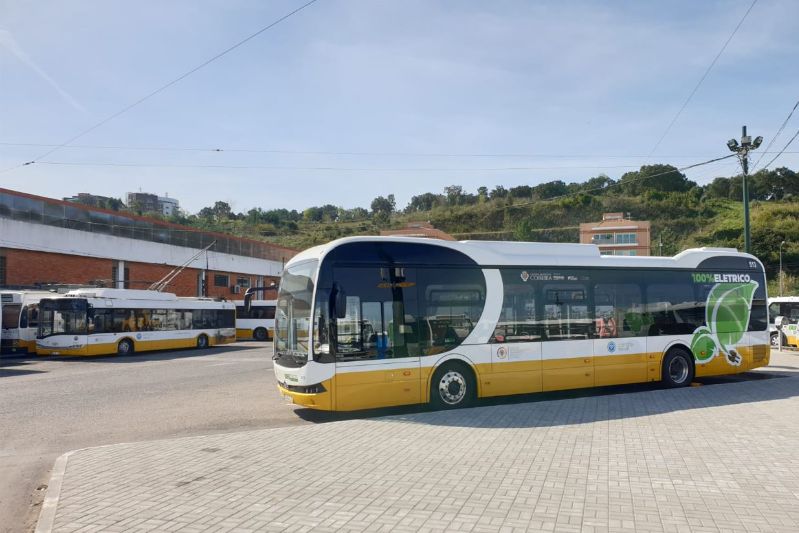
682,214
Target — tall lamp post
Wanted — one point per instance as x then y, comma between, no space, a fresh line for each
783,242
747,145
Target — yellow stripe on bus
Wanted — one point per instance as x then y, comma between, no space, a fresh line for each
138,346
350,391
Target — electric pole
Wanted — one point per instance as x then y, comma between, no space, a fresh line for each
746,146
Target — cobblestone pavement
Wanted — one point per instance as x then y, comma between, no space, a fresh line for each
719,457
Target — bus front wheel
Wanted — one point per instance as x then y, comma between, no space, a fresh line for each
125,347
202,341
775,340
678,368
260,334
453,386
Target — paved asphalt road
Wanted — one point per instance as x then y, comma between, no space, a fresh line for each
49,406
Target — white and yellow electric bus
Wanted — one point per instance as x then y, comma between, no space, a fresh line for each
123,321
256,320
19,320
369,322
786,307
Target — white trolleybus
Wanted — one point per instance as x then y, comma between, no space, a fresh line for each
369,322
256,320
785,310
122,321
19,320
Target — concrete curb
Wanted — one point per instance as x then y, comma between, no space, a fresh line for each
53,494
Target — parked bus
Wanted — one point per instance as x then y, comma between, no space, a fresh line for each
788,308
19,320
369,322
123,321
256,321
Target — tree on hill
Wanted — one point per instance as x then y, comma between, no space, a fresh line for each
383,208
664,178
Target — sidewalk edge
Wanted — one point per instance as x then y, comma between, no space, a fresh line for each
53,494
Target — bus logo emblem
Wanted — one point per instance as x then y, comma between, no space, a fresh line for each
502,352
611,346
525,275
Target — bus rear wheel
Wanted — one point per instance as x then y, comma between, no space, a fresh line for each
678,368
125,347
260,334
202,341
453,386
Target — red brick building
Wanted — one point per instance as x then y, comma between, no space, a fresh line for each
46,241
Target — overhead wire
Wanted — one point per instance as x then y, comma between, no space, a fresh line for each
702,79
346,153
773,139
162,87
345,169
782,151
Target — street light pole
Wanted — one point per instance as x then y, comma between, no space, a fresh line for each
744,155
783,242
747,145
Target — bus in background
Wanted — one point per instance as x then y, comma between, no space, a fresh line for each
256,320
788,308
19,320
366,322
123,321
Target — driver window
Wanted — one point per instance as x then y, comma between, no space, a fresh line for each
380,314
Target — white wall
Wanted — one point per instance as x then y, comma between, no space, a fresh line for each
41,238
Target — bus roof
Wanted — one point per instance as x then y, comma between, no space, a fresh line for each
126,294
512,253
25,295
130,294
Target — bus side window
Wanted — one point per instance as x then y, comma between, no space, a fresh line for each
566,311
33,315
23,318
619,311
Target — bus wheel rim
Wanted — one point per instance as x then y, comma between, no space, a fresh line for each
678,370
775,341
452,387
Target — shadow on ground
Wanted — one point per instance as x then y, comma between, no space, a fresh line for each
158,355
136,357
591,405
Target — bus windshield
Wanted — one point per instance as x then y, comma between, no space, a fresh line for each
293,316
65,316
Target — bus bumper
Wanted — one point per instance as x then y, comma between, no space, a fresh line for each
313,400
14,346
62,351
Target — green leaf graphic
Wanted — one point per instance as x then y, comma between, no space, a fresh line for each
704,345
727,311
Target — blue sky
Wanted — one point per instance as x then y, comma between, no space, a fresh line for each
581,88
